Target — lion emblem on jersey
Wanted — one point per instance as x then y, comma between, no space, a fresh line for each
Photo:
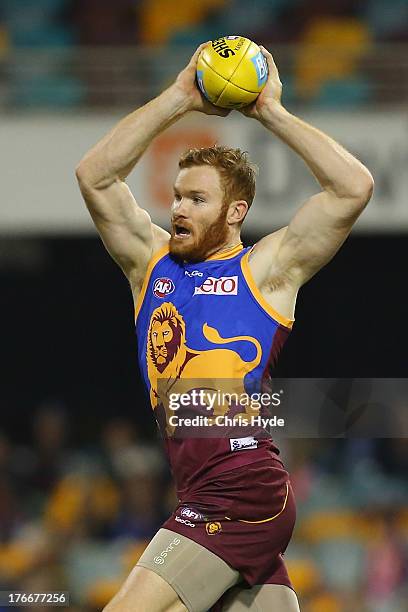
173,367
166,337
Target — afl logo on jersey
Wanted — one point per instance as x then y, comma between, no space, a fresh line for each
163,287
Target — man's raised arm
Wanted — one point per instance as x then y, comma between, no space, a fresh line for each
125,228
322,224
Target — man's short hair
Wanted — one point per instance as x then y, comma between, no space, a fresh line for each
236,171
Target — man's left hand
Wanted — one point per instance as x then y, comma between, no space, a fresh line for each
270,96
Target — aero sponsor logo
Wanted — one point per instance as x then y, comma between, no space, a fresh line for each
163,287
159,559
226,285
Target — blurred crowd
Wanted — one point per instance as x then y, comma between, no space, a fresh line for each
77,511
333,39
158,22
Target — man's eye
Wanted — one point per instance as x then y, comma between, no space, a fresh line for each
177,197
198,200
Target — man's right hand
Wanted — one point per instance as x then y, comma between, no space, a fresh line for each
126,229
187,84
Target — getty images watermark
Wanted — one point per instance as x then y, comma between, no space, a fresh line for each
227,409
311,407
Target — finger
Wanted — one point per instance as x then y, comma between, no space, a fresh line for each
269,59
265,52
198,51
202,46
267,55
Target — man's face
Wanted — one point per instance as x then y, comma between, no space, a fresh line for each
198,214
162,335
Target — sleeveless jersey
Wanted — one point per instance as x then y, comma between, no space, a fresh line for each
206,336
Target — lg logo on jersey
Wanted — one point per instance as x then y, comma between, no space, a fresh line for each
226,285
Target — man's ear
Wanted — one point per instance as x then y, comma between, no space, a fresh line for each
237,211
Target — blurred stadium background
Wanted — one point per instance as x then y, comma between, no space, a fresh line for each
83,482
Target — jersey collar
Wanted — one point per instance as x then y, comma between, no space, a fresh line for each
227,254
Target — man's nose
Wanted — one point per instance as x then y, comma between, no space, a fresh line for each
180,208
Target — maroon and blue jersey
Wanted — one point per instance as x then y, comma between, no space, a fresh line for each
206,336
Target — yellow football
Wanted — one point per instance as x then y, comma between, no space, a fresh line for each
231,71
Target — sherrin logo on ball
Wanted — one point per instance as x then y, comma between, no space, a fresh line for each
231,71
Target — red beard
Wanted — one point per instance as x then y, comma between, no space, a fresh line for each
203,241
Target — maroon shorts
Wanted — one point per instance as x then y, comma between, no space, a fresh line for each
251,524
